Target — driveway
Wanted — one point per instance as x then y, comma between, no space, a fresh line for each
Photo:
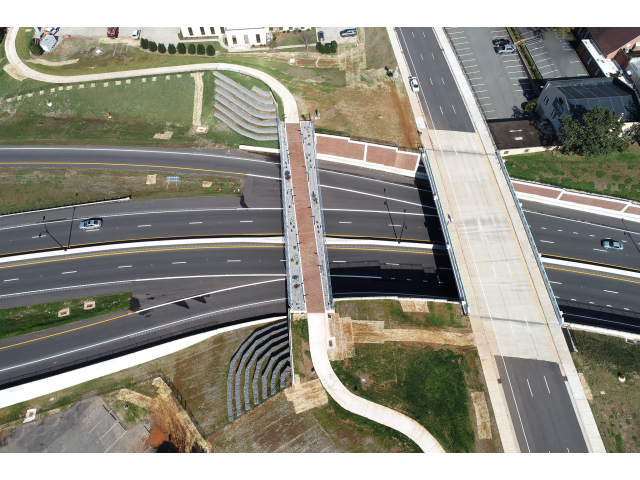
554,55
94,32
164,35
333,33
499,82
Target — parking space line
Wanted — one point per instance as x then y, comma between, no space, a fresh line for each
461,43
471,73
465,54
482,98
489,111
458,38
470,66
532,49
550,71
538,54
486,104
470,60
513,66
480,91
505,61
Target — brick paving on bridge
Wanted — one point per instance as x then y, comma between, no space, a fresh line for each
306,234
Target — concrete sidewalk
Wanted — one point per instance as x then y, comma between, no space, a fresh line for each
290,106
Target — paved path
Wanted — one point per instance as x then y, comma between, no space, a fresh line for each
290,107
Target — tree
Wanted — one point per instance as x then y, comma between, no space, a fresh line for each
562,31
144,43
306,38
153,47
35,48
171,49
181,48
192,49
273,43
210,50
530,107
596,132
320,47
162,48
334,47
201,49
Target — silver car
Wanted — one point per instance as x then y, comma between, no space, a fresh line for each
506,49
91,224
612,244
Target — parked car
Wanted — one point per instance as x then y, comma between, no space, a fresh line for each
321,36
349,32
91,224
612,244
499,42
506,49
413,83
136,35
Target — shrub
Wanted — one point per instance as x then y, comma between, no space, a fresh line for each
320,47
180,35
162,48
182,49
334,47
34,47
144,43
210,50
192,49
201,49
171,49
153,47
530,107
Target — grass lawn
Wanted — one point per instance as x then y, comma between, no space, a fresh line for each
617,174
139,110
23,320
29,188
429,385
129,412
350,91
617,412
440,315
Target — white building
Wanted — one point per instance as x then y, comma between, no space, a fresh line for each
48,42
240,38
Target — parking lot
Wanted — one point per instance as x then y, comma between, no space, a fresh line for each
499,82
554,56
333,33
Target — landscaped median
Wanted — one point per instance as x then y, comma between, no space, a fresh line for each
34,318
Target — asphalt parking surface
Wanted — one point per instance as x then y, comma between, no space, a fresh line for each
554,56
333,33
499,82
95,32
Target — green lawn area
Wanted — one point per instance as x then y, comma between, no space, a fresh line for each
378,48
616,174
440,315
316,81
294,39
139,110
429,385
23,320
29,188
617,412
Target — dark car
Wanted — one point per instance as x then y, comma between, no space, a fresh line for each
321,36
349,32
501,41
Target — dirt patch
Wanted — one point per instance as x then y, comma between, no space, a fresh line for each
483,420
417,306
13,73
156,437
306,396
48,63
197,98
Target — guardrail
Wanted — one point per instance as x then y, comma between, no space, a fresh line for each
324,233
552,297
464,305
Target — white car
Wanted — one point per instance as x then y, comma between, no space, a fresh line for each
413,83
91,224
136,35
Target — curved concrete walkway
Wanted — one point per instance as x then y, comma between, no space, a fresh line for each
289,102
353,403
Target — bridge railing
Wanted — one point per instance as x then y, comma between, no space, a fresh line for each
536,254
464,305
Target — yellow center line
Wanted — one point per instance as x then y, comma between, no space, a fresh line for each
386,250
123,165
115,242
592,274
66,331
591,262
138,251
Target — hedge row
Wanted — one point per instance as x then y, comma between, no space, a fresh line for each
330,48
182,49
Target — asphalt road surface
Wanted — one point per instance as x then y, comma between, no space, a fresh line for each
437,86
228,302
182,218
135,264
544,419
380,271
